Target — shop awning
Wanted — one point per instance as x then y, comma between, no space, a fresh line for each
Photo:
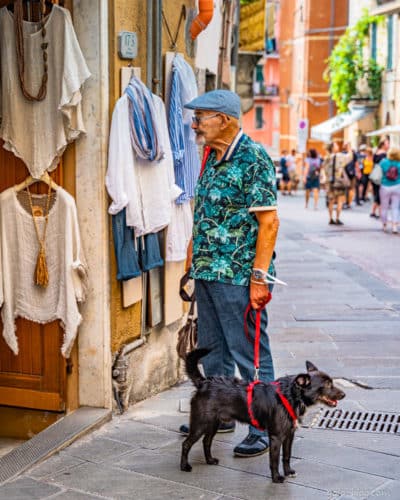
389,129
324,131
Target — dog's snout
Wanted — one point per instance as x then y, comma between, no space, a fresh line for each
340,394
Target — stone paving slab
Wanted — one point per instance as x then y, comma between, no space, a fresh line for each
371,462
59,462
25,488
216,478
117,483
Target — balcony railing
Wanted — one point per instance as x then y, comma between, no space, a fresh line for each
261,89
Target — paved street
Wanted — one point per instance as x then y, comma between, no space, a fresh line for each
341,310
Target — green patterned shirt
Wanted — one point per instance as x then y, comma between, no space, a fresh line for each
225,225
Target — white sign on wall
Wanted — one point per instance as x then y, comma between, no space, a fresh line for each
302,135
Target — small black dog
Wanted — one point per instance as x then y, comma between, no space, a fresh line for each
222,399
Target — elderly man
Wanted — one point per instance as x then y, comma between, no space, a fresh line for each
235,230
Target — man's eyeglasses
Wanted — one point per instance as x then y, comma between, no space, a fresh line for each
196,120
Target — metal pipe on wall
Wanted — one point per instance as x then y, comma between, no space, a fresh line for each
149,42
157,48
331,44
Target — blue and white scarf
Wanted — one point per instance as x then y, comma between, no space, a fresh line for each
144,132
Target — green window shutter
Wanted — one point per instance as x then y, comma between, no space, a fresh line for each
389,64
373,41
259,73
259,117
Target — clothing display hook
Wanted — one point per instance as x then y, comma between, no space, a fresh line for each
174,39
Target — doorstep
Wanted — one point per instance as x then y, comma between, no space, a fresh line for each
51,440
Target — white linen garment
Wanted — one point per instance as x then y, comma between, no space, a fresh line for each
144,187
38,132
19,295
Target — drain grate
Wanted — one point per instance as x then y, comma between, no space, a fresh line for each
358,421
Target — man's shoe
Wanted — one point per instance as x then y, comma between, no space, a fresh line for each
252,446
332,221
339,222
222,428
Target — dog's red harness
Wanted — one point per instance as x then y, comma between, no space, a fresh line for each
250,387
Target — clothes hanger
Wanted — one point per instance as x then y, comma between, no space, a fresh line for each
32,180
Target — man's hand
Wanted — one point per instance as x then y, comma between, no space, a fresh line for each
189,254
259,295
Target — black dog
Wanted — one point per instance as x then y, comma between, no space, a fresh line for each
222,399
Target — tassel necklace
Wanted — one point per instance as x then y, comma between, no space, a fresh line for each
41,277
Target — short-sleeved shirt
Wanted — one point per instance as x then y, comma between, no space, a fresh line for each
225,225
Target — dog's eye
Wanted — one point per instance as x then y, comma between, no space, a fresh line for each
328,384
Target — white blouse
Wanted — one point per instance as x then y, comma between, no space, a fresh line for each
19,295
144,187
38,132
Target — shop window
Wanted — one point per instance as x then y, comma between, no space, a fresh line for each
259,117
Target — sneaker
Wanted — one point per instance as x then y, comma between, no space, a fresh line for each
339,222
252,446
222,428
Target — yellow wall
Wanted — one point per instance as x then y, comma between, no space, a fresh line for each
130,15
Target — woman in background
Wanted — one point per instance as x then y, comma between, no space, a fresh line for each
311,176
390,188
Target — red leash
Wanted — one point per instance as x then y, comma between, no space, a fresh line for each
250,388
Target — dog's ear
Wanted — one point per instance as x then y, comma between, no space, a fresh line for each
303,380
311,367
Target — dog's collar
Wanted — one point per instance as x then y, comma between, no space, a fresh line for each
286,403
254,422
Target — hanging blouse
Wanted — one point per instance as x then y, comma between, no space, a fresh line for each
38,132
144,187
19,296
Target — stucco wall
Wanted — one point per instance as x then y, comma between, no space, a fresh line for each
152,366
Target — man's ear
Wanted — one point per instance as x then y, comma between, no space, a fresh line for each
310,367
225,120
303,380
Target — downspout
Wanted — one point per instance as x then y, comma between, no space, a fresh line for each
157,58
200,23
149,42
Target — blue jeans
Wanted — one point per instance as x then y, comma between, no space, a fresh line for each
221,308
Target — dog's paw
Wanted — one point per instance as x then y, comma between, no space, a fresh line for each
278,479
186,468
213,461
290,473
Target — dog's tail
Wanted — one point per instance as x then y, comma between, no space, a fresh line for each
192,365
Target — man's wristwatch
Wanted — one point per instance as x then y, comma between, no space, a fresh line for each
259,274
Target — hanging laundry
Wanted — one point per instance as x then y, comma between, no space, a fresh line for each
19,247
38,132
183,140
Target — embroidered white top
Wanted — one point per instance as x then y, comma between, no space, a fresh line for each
38,132
19,296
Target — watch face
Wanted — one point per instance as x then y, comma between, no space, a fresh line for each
258,275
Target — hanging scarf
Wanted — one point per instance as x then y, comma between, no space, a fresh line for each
145,136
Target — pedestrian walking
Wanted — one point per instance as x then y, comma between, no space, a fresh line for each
285,181
390,189
311,176
234,234
379,155
337,180
367,166
292,170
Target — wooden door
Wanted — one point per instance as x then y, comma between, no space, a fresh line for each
36,378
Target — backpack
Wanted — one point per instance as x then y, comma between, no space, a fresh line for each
351,167
393,173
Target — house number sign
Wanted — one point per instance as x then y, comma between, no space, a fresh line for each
127,45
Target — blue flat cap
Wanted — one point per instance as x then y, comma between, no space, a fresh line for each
224,101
